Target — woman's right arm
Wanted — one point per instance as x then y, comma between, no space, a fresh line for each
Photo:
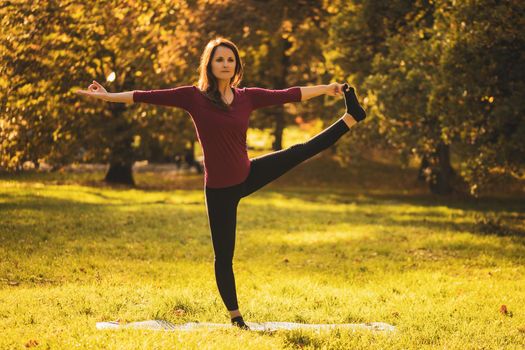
124,97
98,91
181,96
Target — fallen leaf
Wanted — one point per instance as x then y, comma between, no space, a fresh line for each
180,312
503,309
31,343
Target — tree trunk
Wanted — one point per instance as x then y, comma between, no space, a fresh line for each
120,173
189,158
278,131
441,174
122,156
424,165
280,83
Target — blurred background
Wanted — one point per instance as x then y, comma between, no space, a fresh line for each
442,82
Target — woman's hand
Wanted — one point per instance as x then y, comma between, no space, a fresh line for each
94,90
334,89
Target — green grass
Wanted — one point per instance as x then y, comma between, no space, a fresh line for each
322,244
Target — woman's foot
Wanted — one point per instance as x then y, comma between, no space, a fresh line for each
352,105
239,322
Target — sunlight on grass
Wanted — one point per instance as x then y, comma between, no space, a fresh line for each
72,255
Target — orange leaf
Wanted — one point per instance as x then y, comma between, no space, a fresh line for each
503,309
31,343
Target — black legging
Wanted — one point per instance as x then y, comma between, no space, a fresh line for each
221,203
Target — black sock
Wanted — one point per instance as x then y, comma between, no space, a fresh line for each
239,322
352,105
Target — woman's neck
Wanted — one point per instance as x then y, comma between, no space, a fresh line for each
223,86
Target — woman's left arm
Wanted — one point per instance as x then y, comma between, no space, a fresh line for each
333,89
261,97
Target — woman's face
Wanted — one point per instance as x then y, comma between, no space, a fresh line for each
223,63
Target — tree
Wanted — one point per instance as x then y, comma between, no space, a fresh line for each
51,48
365,40
36,114
402,81
441,76
479,89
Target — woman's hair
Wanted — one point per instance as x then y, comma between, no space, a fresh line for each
208,83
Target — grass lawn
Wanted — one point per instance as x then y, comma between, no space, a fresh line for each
322,244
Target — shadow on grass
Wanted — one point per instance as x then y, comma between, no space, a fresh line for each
36,202
485,204
428,220
491,215
500,217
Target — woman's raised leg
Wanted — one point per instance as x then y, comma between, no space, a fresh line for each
269,167
266,168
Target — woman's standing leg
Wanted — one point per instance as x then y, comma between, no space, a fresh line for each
221,206
270,166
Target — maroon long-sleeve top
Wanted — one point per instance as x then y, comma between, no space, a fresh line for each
222,134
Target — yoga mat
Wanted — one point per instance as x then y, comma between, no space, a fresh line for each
266,326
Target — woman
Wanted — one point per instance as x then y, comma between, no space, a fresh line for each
220,113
